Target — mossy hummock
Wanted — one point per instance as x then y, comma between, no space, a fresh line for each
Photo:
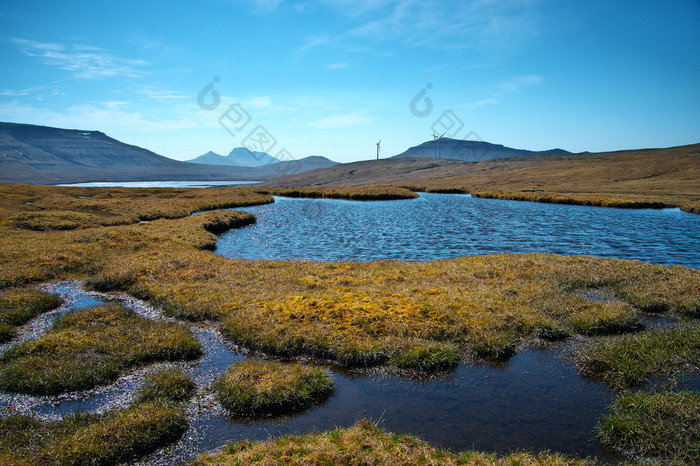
265,388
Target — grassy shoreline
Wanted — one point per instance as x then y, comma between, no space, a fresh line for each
366,444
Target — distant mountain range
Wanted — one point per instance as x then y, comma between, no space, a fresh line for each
238,157
469,151
45,155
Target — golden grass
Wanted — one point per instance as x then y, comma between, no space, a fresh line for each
64,208
365,444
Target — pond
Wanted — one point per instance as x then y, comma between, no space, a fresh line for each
442,226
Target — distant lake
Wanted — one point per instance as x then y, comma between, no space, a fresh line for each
441,226
158,184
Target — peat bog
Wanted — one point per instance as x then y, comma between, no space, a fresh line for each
429,348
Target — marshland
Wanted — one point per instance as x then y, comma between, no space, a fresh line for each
355,342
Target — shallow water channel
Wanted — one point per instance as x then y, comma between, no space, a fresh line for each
535,401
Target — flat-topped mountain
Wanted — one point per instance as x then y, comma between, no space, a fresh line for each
44,155
469,151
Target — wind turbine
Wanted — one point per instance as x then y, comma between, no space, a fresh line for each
380,141
436,147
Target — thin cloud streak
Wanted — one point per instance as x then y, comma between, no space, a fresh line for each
85,62
449,26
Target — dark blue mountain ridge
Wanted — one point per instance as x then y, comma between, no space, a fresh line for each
469,151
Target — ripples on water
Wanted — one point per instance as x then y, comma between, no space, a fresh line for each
442,226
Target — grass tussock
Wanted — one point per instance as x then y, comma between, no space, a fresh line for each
658,428
631,360
92,347
364,444
18,306
111,438
368,193
167,385
264,388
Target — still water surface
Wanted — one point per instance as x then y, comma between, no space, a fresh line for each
441,226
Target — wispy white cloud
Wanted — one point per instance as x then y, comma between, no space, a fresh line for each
477,104
336,66
341,121
447,25
258,102
20,92
164,94
520,82
84,61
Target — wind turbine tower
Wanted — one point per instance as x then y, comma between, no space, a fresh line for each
380,141
436,146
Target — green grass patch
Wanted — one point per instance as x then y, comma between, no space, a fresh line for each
18,306
92,347
111,438
167,385
660,428
630,360
260,388
426,356
364,444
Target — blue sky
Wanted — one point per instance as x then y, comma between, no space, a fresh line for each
332,77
